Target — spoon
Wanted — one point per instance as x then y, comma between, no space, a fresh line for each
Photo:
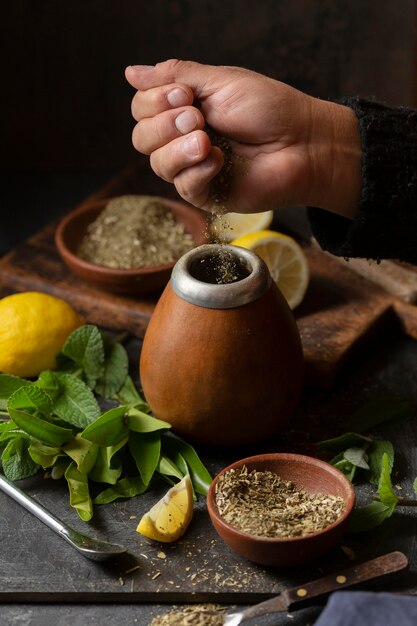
93,549
381,568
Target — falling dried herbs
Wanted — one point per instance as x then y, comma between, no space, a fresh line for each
196,615
134,232
263,504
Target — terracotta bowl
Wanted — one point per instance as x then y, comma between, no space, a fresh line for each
307,473
71,231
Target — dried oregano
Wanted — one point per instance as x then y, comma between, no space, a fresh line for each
134,232
263,504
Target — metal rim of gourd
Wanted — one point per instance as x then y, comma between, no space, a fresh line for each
220,296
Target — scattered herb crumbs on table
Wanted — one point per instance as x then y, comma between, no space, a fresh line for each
263,504
195,615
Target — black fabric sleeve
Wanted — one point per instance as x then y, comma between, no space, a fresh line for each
386,222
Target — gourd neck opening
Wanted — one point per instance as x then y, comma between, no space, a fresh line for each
218,276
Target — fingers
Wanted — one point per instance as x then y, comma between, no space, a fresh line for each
156,100
180,153
152,133
197,76
193,183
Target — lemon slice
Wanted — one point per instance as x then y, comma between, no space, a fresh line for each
168,519
285,259
232,225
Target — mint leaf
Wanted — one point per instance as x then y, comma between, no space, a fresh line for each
76,403
124,488
376,451
379,411
357,456
385,490
109,429
145,449
8,385
368,517
16,461
128,394
85,347
114,372
31,399
347,440
49,382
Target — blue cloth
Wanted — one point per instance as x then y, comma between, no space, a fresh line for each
363,608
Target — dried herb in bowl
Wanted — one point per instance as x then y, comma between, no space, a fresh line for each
133,232
263,504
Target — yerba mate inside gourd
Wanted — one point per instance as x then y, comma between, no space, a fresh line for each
222,267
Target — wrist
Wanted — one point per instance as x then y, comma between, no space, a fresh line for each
336,158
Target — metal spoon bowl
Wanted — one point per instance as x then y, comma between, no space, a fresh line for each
91,548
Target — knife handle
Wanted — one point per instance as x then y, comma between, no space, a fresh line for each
375,570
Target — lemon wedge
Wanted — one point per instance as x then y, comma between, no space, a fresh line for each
232,225
285,259
168,519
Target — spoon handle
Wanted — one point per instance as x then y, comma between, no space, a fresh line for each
32,506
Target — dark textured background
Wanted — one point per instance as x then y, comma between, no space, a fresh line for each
65,109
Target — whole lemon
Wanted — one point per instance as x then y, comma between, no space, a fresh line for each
33,328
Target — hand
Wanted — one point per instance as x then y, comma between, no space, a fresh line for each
288,148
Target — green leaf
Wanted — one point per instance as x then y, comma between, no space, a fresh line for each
128,394
115,371
200,476
111,451
31,399
83,452
11,432
357,456
379,411
85,347
347,440
169,468
102,472
8,385
145,449
140,422
16,461
376,450
415,486
43,455
368,517
385,491
41,429
109,429
79,492
124,488
76,403
49,382
345,467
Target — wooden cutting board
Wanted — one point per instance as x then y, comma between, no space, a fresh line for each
341,313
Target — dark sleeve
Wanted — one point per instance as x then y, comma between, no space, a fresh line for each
386,223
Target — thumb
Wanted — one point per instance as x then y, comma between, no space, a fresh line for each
202,79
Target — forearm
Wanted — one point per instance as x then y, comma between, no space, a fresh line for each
385,225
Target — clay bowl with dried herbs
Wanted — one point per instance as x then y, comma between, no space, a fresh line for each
315,498
189,226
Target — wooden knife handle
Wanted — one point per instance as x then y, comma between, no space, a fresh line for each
375,570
